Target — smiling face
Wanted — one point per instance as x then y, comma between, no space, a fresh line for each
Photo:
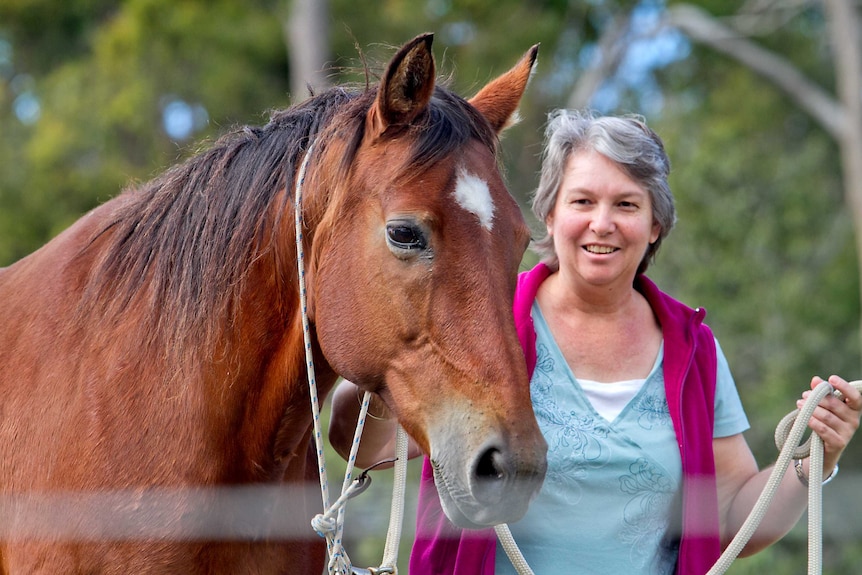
602,222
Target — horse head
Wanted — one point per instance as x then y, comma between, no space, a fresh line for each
413,269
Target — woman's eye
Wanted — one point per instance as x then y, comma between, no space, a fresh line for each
405,237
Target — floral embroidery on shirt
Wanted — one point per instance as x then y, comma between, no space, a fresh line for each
645,515
576,442
652,410
542,382
579,433
606,482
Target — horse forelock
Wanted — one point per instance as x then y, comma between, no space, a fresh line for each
448,124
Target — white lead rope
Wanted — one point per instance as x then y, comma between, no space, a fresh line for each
815,508
330,524
788,448
789,445
326,525
512,551
396,512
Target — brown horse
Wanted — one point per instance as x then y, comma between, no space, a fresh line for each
152,356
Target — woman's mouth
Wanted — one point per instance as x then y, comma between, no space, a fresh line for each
595,249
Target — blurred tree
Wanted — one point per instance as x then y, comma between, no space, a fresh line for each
839,115
114,95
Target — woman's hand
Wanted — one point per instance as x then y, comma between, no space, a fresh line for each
378,437
834,420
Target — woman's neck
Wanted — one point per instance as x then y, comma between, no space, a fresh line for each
566,293
604,334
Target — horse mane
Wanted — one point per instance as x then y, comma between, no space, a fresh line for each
182,245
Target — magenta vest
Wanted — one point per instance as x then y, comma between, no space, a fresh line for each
689,368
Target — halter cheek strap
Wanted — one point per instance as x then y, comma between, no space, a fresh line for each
330,524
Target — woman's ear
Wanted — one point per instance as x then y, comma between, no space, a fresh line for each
656,232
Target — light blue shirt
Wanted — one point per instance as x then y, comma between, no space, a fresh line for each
612,487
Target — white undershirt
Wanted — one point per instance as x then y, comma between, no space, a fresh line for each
609,399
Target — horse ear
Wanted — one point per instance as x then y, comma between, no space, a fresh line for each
498,100
406,87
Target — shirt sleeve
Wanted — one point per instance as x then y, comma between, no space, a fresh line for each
730,417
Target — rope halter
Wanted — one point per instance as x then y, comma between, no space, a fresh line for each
330,523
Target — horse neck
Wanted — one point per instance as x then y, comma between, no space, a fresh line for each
269,358
268,328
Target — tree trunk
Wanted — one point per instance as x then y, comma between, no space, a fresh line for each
701,27
843,21
612,47
307,39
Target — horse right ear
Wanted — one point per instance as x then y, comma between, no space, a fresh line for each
406,87
498,101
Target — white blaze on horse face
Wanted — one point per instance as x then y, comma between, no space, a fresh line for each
472,194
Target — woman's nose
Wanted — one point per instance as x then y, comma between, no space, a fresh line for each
603,222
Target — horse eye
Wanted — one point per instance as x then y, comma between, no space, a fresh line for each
405,236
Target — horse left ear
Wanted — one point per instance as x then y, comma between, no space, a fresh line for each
498,100
406,87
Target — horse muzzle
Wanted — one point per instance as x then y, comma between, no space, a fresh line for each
492,483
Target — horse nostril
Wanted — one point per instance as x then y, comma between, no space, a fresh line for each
490,476
491,465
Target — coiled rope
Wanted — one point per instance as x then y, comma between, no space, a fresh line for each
330,524
788,443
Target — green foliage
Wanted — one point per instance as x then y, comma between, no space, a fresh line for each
102,100
47,33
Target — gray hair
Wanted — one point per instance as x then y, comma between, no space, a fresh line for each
626,141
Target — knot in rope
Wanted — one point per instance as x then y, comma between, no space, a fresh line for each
324,525
328,523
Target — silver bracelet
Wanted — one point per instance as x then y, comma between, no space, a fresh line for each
803,479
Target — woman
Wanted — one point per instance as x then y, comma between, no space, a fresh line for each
648,471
